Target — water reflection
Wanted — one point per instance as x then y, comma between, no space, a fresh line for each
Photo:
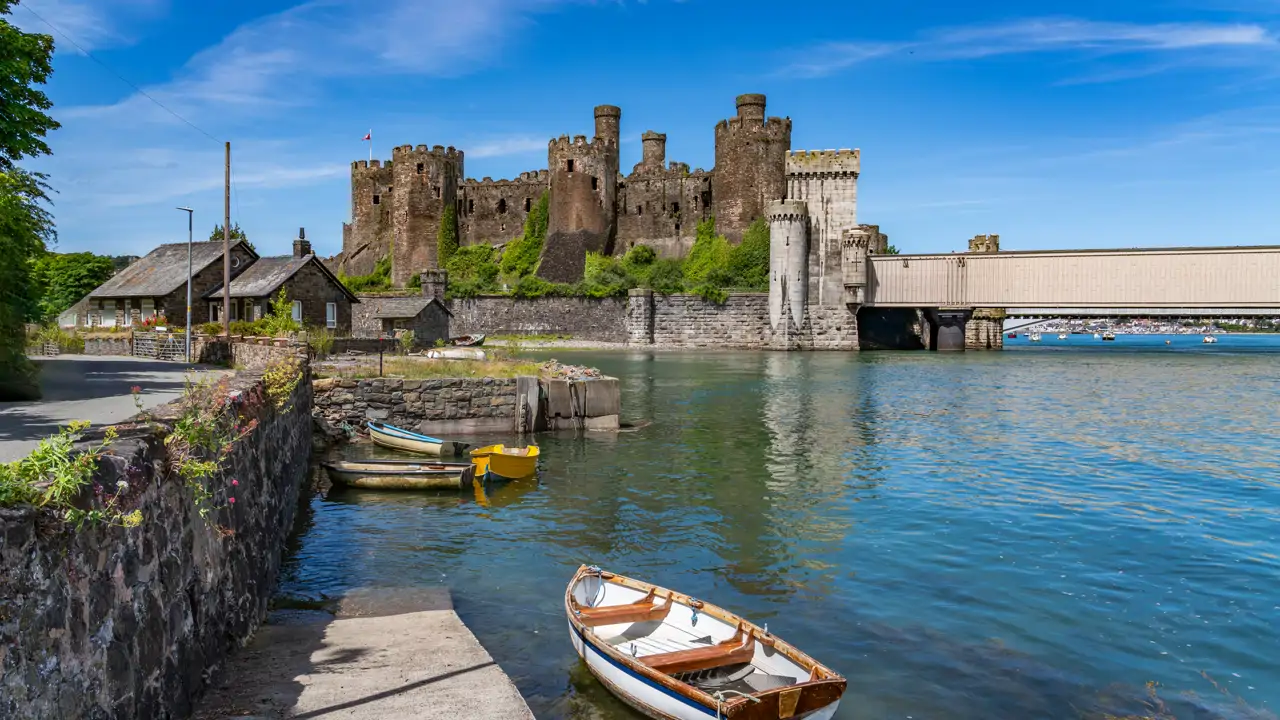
1012,534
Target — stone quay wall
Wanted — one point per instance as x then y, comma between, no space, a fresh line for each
601,319
688,321
112,622
426,406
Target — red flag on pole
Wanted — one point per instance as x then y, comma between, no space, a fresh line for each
368,136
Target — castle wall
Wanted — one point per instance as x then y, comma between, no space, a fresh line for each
600,319
661,209
494,212
368,238
750,169
426,182
827,181
584,185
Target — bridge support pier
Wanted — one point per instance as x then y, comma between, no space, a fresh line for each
946,329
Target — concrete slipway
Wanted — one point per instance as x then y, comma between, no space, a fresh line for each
384,654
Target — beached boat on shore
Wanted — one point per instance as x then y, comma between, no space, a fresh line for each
395,475
672,657
498,461
390,436
467,341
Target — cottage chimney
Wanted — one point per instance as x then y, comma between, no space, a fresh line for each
301,246
434,283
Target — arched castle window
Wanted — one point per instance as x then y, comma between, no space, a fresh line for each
436,189
640,209
569,165
595,183
471,206
502,206
421,167
675,209
377,199
528,204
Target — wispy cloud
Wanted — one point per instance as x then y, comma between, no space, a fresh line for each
89,25
1040,35
507,146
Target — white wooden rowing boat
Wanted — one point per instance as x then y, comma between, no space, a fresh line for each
390,436
673,657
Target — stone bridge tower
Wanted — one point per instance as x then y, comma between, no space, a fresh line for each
751,166
788,268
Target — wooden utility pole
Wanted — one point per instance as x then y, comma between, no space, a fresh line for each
226,248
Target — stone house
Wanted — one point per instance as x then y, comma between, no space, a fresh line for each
426,316
319,299
157,285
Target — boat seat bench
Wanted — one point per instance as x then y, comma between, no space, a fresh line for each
730,652
644,610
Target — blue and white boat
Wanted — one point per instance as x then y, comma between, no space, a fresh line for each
672,657
390,436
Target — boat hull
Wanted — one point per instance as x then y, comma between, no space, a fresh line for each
404,478
659,695
389,438
491,462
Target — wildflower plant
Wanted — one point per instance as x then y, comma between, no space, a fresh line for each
204,434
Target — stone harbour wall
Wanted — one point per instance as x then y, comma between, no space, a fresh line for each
984,331
601,319
688,321
428,406
111,622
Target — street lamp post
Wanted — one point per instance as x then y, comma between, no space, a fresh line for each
190,215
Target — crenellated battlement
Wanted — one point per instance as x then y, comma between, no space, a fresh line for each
369,165
525,178
824,162
787,210
774,127
984,244
578,144
437,152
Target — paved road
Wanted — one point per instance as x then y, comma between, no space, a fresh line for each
86,387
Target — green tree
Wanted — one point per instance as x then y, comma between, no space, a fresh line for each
521,255
279,321
891,250
65,278
25,224
236,234
447,238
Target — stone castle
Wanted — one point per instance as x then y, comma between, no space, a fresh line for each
399,205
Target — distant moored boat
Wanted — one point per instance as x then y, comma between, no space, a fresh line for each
1108,336
1209,339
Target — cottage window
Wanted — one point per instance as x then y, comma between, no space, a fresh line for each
297,310
377,199
148,308
331,315
257,311
235,311
215,311
128,313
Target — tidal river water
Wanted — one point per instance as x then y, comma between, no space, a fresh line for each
1034,533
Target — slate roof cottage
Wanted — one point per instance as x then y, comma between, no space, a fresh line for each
318,298
157,284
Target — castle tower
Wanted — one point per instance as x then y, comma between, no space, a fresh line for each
984,244
654,154
828,181
426,183
751,160
368,237
788,263
855,258
584,194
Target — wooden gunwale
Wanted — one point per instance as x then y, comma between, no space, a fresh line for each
824,675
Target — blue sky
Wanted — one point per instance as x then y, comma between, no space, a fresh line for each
1055,124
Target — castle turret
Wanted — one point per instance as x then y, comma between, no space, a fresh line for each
788,261
984,244
828,181
584,193
368,237
751,160
654,152
426,183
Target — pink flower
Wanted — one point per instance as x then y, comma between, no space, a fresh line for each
234,483
231,500
135,389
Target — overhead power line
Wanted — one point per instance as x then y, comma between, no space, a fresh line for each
118,76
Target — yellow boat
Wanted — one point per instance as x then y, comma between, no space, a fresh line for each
498,461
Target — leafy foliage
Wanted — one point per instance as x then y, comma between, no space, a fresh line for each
606,276
406,341
25,62
748,264
447,237
321,341
65,278
236,234
521,255
279,321
472,270
709,251
892,250
203,437
379,279
55,475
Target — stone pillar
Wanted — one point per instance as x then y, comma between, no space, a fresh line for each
640,317
985,330
788,262
434,283
948,328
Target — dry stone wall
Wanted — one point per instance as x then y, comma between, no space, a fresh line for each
112,622
427,406
582,318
